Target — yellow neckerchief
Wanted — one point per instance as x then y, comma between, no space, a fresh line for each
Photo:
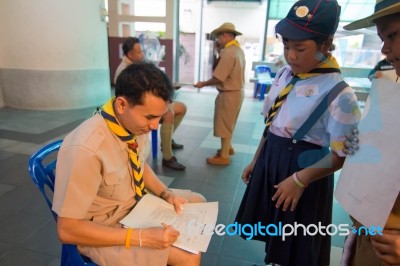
232,43
107,111
329,65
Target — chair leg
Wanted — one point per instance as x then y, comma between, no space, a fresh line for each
255,90
154,143
262,91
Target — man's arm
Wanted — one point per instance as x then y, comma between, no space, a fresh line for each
154,184
211,82
88,233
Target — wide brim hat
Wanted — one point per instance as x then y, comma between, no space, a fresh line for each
226,27
382,9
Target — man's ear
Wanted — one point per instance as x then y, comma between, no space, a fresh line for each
129,54
121,105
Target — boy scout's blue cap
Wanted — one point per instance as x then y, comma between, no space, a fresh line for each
309,19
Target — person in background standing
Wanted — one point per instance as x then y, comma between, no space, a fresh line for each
228,77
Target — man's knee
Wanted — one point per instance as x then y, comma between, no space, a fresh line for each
179,108
168,118
196,198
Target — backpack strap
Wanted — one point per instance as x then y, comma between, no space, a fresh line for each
319,110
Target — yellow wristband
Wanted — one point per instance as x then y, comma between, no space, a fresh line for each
140,237
128,238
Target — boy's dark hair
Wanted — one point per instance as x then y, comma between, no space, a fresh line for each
128,44
140,78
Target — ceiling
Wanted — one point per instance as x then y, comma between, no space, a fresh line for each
351,10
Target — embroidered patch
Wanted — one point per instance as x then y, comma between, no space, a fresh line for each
302,11
307,90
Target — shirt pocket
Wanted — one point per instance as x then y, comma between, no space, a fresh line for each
111,184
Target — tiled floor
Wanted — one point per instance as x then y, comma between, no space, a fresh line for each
28,236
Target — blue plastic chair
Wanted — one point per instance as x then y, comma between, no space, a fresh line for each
154,143
264,80
41,168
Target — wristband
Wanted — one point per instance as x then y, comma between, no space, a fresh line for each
128,238
297,181
140,237
162,194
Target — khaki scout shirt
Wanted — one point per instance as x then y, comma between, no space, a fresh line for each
230,69
93,175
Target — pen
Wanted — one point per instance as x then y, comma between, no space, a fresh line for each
164,225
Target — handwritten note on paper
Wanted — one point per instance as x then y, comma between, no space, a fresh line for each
370,180
195,224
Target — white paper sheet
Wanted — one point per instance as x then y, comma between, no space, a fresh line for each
194,224
370,179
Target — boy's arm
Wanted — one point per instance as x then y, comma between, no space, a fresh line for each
387,246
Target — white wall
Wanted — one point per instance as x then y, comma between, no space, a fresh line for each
53,54
56,39
249,18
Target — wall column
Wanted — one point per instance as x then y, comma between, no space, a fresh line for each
53,54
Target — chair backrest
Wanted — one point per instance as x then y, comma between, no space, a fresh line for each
42,166
42,172
263,74
262,69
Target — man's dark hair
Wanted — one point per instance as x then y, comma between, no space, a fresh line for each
128,44
139,78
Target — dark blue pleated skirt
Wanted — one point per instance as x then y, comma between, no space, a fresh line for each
278,159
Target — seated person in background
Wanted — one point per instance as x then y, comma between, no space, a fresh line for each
171,120
100,177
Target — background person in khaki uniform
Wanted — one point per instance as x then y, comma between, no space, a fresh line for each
381,249
228,77
171,120
96,177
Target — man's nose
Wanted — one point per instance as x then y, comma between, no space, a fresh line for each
154,124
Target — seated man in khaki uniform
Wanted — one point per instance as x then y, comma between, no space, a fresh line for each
100,177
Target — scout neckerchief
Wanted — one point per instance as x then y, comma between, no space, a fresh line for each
232,43
327,66
108,114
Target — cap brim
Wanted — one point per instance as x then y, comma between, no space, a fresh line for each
291,31
369,21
